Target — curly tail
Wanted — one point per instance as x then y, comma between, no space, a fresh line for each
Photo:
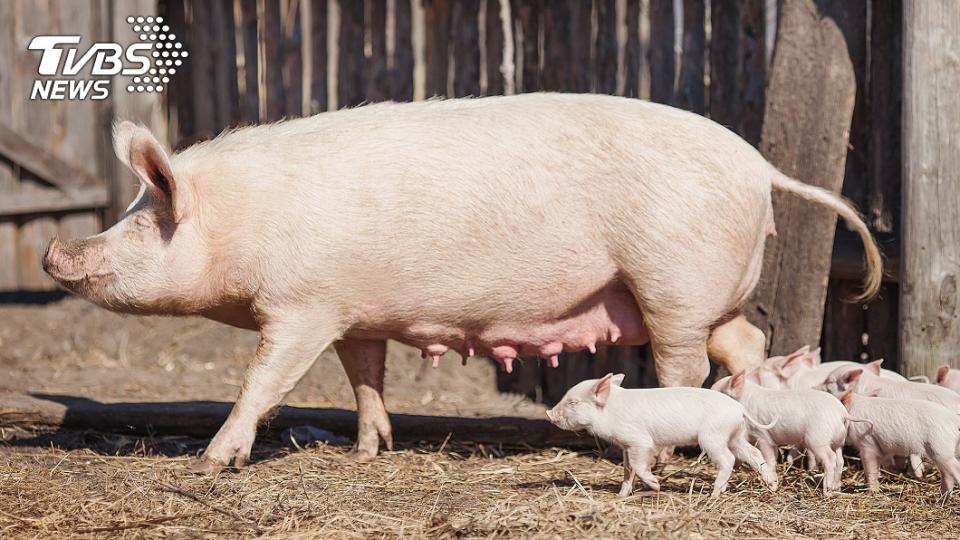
757,424
823,197
850,419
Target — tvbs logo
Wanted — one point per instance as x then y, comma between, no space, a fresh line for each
71,72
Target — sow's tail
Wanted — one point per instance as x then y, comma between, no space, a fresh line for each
871,283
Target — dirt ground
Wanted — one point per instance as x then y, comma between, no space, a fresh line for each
84,484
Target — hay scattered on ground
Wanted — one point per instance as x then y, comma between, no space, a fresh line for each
83,484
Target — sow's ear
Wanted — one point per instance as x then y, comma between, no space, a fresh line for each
137,148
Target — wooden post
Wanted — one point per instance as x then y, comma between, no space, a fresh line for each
929,329
809,105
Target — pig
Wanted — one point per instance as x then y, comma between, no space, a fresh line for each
948,378
805,418
642,420
508,226
803,368
867,380
901,427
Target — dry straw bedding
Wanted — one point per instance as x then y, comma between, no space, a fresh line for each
88,484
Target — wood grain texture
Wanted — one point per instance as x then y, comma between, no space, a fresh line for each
691,86
270,61
465,38
809,104
929,332
437,46
662,56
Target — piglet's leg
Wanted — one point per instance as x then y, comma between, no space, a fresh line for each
626,488
640,458
286,352
871,469
364,361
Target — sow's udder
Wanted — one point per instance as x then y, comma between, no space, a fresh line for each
610,316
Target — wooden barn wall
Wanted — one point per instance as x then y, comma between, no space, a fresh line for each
72,132
261,60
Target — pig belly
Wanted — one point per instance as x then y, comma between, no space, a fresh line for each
610,316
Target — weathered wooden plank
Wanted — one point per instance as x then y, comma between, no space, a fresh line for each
843,323
203,95
753,69
558,73
691,88
493,48
51,200
270,86
437,52
223,54
180,89
43,163
605,58
930,331
465,37
246,14
853,24
8,229
401,73
378,88
527,25
882,205
315,59
292,58
661,52
882,320
79,225
633,53
724,62
809,105
351,87
32,239
8,81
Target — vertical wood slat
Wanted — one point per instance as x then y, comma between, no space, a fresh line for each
752,47
270,86
351,87
318,57
662,59
725,70
8,227
691,88
437,17
632,51
882,204
465,38
493,48
376,63
527,25
247,27
292,61
201,65
605,72
401,74
930,331
223,53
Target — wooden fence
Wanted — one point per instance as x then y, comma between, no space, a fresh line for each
261,60
52,169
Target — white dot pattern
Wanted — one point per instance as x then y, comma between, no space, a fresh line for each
165,46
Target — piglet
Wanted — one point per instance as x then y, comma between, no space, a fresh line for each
867,380
803,418
948,378
641,421
804,369
900,427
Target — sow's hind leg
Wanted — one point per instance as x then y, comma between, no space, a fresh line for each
364,360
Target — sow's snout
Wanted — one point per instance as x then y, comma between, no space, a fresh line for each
73,261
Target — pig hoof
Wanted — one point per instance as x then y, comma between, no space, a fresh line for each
205,466
362,456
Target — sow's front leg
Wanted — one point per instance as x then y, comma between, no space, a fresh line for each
287,350
364,361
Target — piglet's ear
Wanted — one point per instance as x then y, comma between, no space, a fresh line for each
792,366
753,376
138,149
846,398
852,376
617,380
874,367
943,373
601,391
